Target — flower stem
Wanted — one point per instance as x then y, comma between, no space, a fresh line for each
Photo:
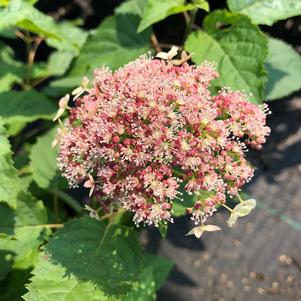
227,207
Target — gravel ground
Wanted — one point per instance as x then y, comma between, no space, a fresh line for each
259,259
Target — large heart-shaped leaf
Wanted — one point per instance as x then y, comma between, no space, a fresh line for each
111,266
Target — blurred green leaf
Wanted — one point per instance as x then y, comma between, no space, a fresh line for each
25,222
186,200
6,2
115,42
11,71
9,180
283,65
237,46
72,38
112,265
21,215
59,62
266,11
43,163
19,108
13,287
158,10
163,229
179,206
160,266
132,7
62,36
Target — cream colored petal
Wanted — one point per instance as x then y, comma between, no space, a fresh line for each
55,142
59,113
77,90
197,232
211,228
232,219
63,102
85,82
162,55
172,52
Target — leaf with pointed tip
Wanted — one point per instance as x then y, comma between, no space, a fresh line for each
266,11
238,48
13,286
132,7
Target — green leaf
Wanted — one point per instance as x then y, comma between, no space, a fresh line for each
186,200
24,224
71,39
21,215
266,11
132,7
6,2
163,229
238,48
23,15
283,65
13,287
9,187
179,206
59,62
43,163
111,265
11,71
157,10
161,268
19,108
115,42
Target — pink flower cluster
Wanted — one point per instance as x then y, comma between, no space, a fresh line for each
142,130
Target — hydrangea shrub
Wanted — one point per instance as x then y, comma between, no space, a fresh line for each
144,138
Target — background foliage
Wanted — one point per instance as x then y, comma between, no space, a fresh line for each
42,56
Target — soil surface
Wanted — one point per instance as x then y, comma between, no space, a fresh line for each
259,259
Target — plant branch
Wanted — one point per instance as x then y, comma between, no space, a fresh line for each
189,19
155,43
227,207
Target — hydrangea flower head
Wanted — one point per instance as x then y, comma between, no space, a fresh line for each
142,130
